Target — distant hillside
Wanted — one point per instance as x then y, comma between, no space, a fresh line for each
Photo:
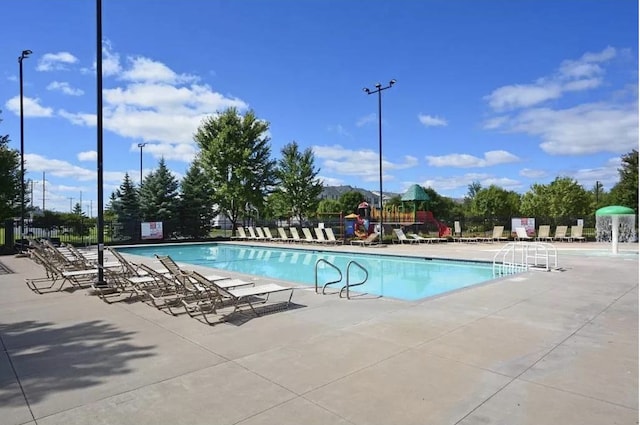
334,192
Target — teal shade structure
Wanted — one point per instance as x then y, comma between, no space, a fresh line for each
614,210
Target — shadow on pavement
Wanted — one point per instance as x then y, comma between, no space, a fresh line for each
47,359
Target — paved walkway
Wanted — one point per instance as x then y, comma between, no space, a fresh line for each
537,348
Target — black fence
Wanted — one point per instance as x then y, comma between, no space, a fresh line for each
130,232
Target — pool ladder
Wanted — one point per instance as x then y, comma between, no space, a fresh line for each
346,287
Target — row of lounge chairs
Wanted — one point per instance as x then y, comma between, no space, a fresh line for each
167,287
544,234
322,236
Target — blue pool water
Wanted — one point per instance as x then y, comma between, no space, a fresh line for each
405,278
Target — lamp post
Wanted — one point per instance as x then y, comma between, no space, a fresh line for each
99,143
379,90
598,186
141,145
23,55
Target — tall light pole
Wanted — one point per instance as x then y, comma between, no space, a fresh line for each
141,145
25,54
379,90
99,125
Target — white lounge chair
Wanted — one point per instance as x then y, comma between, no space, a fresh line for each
576,234
521,234
308,237
402,238
295,236
544,233
561,233
497,234
331,237
242,296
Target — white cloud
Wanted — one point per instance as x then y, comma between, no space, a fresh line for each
441,184
468,161
366,120
58,168
79,118
572,75
110,62
519,95
495,122
584,129
362,163
147,70
65,88
432,121
339,129
55,61
331,181
533,174
31,107
155,104
87,156
184,152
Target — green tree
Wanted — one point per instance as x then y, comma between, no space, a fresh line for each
125,201
196,207
495,202
349,201
329,206
625,192
235,155
10,180
77,209
297,184
563,197
158,195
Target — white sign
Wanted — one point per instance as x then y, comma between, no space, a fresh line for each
151,230
528,223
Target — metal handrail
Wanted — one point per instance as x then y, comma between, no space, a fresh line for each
322,260
366,276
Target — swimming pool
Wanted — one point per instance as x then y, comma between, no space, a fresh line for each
406,278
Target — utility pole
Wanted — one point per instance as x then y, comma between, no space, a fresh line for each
70,204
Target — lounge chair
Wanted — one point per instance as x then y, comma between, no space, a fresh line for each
320,236
561,233
544,233
331,237
242,235
78,278
262,235
238,297
521,234
308,237
283,235
372,239
268,235
295,236
576,234
256,233
497,235
457,234
402,238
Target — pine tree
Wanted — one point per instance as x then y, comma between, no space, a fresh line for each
159,195
196,208
125,203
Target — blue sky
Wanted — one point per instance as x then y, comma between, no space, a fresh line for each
502,92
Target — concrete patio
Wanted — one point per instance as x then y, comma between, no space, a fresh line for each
535,348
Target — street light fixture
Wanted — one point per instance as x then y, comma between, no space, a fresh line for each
25,54
141,145
379,90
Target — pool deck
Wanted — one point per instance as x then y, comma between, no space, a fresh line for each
537,348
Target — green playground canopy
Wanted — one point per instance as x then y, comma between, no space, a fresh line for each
615,210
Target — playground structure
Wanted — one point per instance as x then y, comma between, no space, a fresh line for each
364,222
